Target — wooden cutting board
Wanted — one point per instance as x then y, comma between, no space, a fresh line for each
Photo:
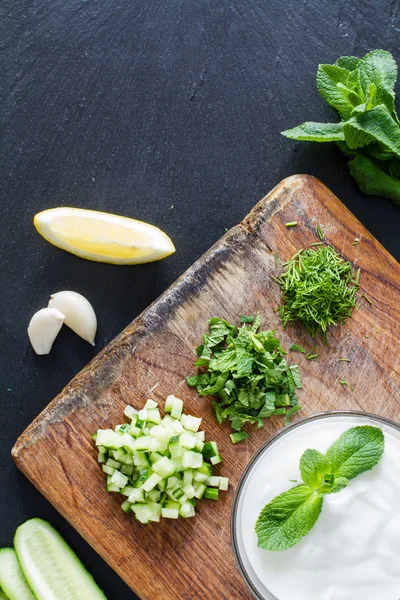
192,559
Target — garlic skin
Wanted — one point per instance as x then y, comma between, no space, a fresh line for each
78,312
44,328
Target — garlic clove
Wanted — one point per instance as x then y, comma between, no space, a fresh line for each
79,313
44,328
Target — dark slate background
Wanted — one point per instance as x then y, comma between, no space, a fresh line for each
169,112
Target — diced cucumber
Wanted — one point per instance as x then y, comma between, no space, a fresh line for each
130,412
176,427
223,483
126,506
12,580
127,490
142,414
175,446
214,481
119,479
168,404
211,493
210,449
177,408
101,457
192,460
177,493
151,482
127,469
155,456
200,477
188,441
135,431
136,495
140,460
215,460
151,404
154,495
108,470
153,415
164,467
190,423
127,459
158,463
200,490
121,429
172,482
187,477
238,436
187,510
51,568
108,438
145,513
118,455
111,487
158,445
189,491
170,513
143,443
113,463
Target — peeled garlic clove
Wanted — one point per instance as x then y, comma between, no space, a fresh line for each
78,312
43,329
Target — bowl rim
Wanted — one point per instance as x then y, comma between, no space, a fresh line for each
278,434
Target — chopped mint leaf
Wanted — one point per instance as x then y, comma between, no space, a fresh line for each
296,348
246,319
246,370
288,518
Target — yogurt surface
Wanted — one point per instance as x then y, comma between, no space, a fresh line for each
353,551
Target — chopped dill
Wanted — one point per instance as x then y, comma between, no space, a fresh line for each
319,289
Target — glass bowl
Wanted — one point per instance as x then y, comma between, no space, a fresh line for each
238,514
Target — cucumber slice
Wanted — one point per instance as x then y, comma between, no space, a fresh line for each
2,596
12,580
52,569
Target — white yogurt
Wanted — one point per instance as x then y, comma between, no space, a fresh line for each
353,551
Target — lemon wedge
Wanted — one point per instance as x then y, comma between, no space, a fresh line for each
103,237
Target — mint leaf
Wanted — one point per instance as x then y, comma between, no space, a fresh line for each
351,63
333,85
373,125
288,518
379,67
372,179
316,132
313,467
357,450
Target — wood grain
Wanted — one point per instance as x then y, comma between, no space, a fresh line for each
192,559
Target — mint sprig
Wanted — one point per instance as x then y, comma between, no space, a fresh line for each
362,91
285,520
